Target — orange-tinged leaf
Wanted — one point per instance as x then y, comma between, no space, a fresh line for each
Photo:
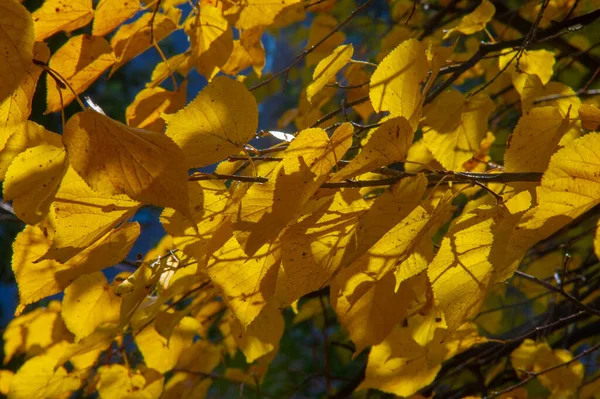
327,68
16,46
253,13
396,83
248,51
118,381
186,386
387,144
30,135
32,180
38,378
359,79
401,366
6,377
89,302
146,109
134,38
111,13
80,216
80,61
456,127
180,63
475,21
15,109
47,277
461,270
216,124
162,354
247,282
211,40
590,116
58,15
116,159
534,140
266,208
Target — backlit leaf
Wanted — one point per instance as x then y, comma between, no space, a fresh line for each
146,109
57,15
475,21
16,46
262,336
321,27
89,302
47,277
253,13
119,382
134,38
531,62
327,68
211,40
456,127
590,116
111,13
80,61
116,159
216,124
248,51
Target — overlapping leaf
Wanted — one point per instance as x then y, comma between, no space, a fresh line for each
57,15
111,13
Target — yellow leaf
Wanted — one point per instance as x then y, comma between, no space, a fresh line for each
15,109
119,382
186,386
247,282
80,216
396,83
32,180
401,366
161,354
30,135
327,68
134,38
58,15
85,353
359,79
89,302
262,336
180,63
248,51
253,13
34,332
418,156
534,140
48,277
80,61
16,46
216,124
475,21
461,270
322,26
535,357
111,13
387,144
590,116
211,40
536,62
146,109
207,202
37,378
306,164
116,159
456,127
6,377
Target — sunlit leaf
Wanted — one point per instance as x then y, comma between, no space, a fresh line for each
327,68
248,51
57,15
262,336
475,21
321,27
253,13
216,124
111,13
80,61
118,381
116,159
146,109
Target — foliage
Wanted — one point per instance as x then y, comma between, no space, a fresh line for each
431,235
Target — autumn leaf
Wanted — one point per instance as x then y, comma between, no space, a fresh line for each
590,116
118,381
58,15
116,159
89,302
321,28
531,62
111,13
253,13
456,127
211,40
146,109
16,46
475,21
248,51
216,124
80,61
327,68
396,83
